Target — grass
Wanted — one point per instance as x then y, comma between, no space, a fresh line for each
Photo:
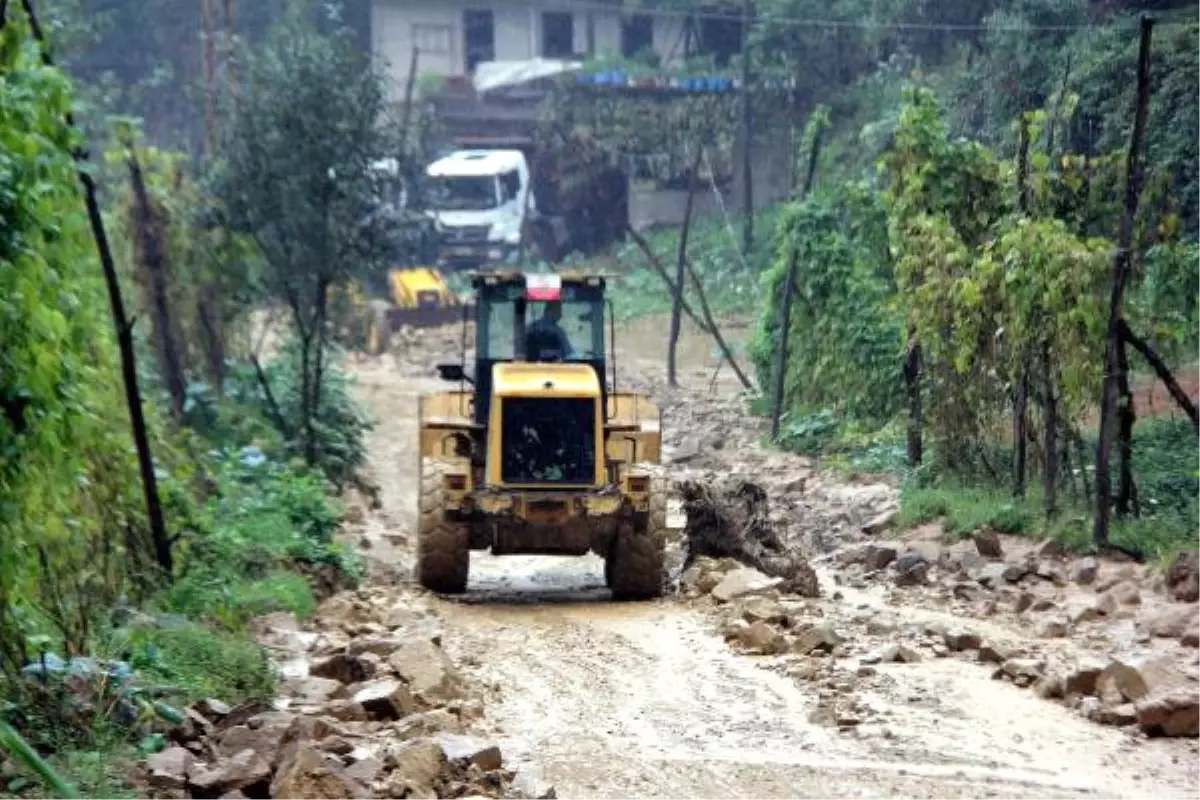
1165,469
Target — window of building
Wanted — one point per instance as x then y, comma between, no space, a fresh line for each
432,38
558,34
637,35
479,37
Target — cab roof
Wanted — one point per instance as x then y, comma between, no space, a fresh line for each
510,276
475,163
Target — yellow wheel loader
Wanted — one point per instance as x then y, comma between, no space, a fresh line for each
537,452
417,297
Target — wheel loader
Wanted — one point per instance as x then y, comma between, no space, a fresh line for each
536,451
417,297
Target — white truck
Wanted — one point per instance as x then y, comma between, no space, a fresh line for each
480,201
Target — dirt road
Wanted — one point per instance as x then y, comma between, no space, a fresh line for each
648,700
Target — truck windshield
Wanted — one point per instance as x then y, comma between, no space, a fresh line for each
465,193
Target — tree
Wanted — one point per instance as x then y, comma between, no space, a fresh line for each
295,176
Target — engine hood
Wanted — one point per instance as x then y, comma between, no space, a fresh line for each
523,379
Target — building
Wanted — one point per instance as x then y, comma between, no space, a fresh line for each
451,36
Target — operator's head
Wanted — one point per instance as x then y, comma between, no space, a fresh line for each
553,311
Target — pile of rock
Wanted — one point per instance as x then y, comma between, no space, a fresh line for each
371,706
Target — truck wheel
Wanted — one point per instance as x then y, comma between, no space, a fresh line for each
634,567
443,552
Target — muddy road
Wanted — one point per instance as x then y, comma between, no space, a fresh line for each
648,699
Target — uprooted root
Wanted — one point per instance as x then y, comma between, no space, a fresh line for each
728,518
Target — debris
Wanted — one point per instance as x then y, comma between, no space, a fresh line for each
1183,577
987,544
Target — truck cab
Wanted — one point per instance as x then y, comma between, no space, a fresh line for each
479,201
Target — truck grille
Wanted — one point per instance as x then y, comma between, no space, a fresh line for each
549,440
466,234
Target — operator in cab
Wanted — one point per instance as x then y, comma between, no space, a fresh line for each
546,340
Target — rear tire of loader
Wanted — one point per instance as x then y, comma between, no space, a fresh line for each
443,546
634,567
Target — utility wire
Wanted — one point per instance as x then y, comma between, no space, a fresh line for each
812,22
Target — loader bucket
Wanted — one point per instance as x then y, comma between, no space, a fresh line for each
426,317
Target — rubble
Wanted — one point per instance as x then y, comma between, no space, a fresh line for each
729,517
378,711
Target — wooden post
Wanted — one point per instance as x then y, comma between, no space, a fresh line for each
1134,176
781,349
680,273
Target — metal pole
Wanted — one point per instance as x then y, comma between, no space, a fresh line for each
781,352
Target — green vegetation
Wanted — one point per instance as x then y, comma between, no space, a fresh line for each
99,645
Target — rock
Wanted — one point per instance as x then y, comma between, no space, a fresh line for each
1023,671
1050,571
1191,637
1171,713
483,754
365,771
959,639
1174,621
1081,678
1051,628
212,709
996,652
307,775
1183,577
345,710
528,782
879,523
243,770
899,653
991,575
416,763
1125,593
911,569
431,677
764,609
743,582
168,770
264,739
311,690
878,555
1136,677
759,637
1095,710
382,646
816,638
343,668
1014,571
386,699
1050,549
1085,571
1049,687
426,724
1024,602
987,544
927,549
1081,610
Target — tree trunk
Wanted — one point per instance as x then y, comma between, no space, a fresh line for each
1126,417
1162,371
124,329
912,387
147,225
1134,175
680,274
1020,426
1050,435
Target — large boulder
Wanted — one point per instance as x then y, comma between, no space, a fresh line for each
309,773
1183,577
389,698
431,677
1167,702
245,771
168,769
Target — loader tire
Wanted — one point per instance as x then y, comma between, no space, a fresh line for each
443,546
634,567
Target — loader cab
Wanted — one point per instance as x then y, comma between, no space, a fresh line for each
537,318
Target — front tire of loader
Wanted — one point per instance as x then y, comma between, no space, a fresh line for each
634,567
443,545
